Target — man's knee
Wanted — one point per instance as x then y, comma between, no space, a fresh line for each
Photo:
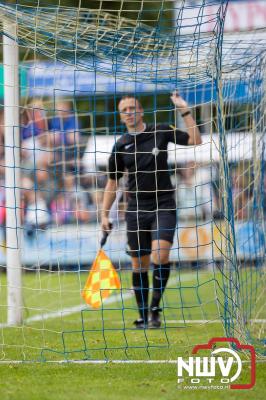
160,259
141,264
160,252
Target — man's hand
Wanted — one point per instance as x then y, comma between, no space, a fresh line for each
106,225
192,128
106,228
179,102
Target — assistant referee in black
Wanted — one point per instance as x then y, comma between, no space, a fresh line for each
151,212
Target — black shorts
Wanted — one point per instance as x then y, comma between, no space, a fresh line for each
145,226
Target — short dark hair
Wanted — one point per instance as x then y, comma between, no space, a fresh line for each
127,96
130,96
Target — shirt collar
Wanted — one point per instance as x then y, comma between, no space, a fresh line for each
138,133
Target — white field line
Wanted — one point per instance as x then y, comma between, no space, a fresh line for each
207,321
258,361
72,310
75,309
69,311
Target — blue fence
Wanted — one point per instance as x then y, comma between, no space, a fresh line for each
76,246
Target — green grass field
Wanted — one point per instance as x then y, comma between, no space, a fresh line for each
59,326
111,381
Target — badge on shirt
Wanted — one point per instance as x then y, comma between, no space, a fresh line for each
155,151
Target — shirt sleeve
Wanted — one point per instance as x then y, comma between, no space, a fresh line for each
115,165
175,135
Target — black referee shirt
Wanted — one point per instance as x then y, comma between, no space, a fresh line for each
144,157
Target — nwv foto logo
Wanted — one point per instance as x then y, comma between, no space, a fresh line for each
223,363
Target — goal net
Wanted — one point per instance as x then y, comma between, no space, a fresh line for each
74,66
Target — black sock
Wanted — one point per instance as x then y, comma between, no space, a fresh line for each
140,282
160,277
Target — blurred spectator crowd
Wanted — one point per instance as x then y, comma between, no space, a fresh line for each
53,187
56,190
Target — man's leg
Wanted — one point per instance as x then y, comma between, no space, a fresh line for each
161,272
139,248
140,280
163,231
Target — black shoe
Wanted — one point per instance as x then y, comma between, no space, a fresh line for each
154,321
140,324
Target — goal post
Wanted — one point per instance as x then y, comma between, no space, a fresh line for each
12,174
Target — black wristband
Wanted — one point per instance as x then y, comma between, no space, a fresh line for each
186,113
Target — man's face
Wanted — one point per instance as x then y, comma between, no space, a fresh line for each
131,112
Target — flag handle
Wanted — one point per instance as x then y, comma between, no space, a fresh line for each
105,235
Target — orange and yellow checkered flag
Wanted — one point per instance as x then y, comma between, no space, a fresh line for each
101,281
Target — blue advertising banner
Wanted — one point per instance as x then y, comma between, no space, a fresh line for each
55,80
75,246
59,80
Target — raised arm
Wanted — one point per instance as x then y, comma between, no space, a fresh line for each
108,199
192,129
